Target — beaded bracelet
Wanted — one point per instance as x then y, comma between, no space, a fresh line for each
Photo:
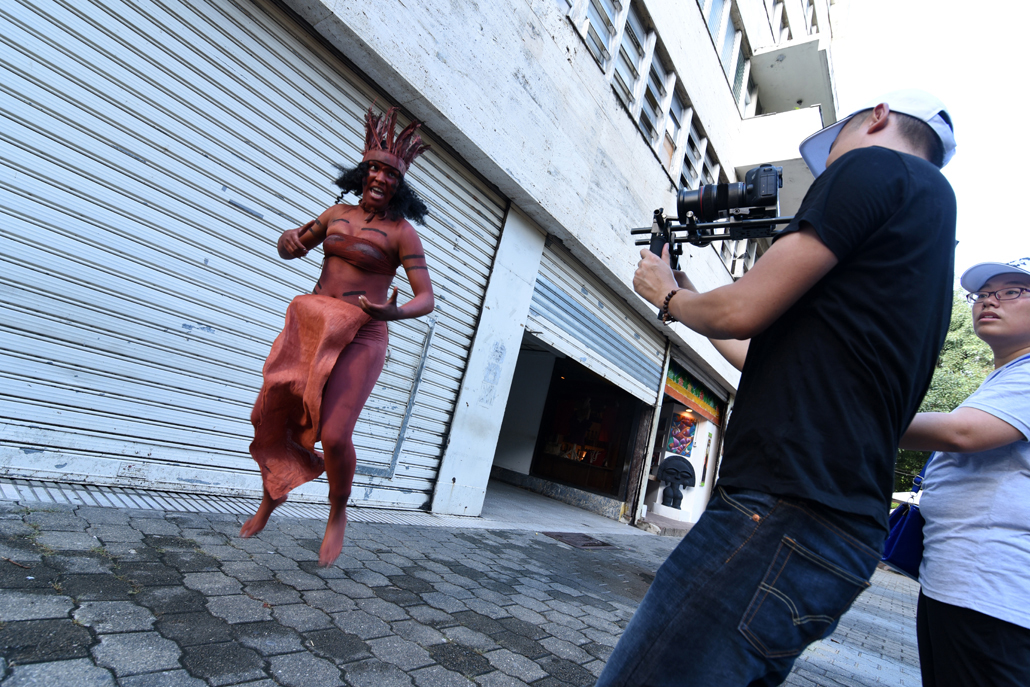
665,314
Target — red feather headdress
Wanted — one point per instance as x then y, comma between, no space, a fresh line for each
381,144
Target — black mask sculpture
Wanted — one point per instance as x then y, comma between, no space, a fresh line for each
677,472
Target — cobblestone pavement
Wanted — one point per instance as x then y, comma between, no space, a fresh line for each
105,596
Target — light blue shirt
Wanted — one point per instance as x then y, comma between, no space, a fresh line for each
977,509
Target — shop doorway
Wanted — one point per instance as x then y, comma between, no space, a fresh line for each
569,433
684,461
585,433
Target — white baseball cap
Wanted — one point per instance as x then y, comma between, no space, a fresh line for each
976,276
913,102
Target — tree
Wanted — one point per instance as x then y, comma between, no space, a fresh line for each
964,363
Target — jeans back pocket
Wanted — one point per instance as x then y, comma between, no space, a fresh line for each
798,601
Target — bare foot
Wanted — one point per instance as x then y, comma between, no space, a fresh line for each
332,543
258,521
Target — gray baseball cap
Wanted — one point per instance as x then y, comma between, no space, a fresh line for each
976,276
913,102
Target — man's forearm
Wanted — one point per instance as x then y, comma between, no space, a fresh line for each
711,313
749,305
734,350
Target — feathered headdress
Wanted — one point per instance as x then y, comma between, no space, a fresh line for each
380,143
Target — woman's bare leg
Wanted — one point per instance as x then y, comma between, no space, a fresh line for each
352,380
257,522
332,541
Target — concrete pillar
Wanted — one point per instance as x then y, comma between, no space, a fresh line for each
468,456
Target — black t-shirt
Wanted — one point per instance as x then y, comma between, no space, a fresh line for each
828,389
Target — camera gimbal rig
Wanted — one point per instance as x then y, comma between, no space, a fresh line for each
747,210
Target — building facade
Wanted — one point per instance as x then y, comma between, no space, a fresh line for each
153,152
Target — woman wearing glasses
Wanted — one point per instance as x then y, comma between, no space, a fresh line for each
973,619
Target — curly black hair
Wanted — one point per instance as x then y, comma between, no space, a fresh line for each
405,202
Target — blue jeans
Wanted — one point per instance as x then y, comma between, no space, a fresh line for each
755,581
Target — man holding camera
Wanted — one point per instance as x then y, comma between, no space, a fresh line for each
836,330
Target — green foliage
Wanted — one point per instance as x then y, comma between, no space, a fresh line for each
964,363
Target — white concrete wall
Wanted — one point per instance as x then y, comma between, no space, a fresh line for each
774,139
757,23
526,400
512,88
775,136
700,495
465,468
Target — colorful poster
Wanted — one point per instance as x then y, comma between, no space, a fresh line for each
681,435
688,391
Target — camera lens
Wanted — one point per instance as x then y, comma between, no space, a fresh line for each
710,201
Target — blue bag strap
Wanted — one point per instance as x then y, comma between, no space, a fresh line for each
917,481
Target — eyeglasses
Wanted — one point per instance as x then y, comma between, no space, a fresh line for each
1009,294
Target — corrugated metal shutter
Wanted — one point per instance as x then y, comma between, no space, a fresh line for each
577,314
152,153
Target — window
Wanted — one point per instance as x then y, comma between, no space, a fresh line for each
738,78
781,27
715,18
689,177
645,82
673,126
810,17
694,147
654,94
752,107
709,171
740,256
631,53
601,14
726,54
674,122
635,29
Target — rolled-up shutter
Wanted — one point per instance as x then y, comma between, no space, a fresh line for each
151,154
575,313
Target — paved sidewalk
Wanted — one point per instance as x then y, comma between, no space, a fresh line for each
147,598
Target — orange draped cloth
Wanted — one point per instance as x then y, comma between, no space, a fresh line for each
288,411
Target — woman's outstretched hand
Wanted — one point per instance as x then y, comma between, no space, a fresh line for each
382,311
290,245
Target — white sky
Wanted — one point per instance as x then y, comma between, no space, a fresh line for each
970,55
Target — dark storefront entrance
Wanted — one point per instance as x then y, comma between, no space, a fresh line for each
571,434
586,432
